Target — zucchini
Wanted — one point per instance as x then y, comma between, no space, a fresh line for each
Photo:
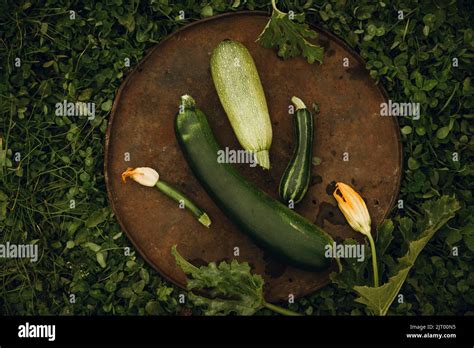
271,224
295,180
241,94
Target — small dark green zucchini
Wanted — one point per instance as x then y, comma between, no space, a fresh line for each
295,180
272,225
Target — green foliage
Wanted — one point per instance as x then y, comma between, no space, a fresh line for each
85,59
53,194
233,289
437,148
290,34
378,299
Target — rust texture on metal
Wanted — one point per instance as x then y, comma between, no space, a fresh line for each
356,146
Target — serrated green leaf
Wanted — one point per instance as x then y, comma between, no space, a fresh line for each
436,213
290,36
233,287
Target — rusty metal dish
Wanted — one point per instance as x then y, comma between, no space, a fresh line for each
141,125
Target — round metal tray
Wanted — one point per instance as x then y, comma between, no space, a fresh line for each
356,146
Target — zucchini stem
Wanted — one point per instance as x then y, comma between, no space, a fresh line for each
281,310
263,159
188,102
177,196
298,103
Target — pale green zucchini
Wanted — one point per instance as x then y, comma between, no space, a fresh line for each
241,94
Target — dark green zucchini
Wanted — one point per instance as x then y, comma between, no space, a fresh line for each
270,223
295,180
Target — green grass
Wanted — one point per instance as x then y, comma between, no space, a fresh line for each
83,249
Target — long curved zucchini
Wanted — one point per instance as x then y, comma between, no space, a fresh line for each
270,223
295,180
